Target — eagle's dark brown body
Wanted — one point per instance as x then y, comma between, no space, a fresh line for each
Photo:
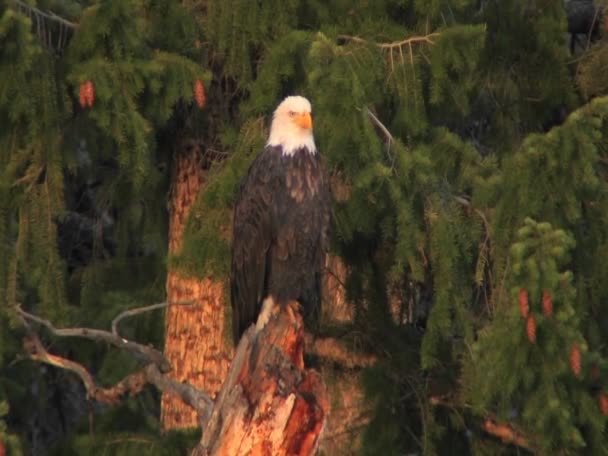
281,223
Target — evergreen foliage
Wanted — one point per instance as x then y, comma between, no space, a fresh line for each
441,142
459,181
83,223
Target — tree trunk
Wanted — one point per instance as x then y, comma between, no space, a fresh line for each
194,334
269,404
350,411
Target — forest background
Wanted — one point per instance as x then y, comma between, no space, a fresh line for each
467,142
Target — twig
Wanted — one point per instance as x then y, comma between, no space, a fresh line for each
139,310
389,138
598,11
381,126
149,353
335,277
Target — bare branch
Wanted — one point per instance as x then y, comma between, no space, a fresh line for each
29,9
139,310
149,353
381,126
395,44
196,399
131,385
387,134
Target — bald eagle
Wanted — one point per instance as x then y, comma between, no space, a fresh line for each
281,221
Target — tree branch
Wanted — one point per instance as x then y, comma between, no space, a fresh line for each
381,126
394,44
149,353
139,310
387,134
504,431
331,349
131,385
29,9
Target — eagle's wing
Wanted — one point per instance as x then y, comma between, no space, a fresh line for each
252,236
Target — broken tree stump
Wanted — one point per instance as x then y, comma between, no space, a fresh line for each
269,403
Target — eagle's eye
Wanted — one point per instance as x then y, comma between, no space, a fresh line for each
291,113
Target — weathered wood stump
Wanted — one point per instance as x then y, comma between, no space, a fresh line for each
269,404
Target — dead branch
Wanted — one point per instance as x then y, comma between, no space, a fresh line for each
394,44
148,353
269,404
32,10
380,125
196,399
331,349
387,134
139,310
131,385
269,400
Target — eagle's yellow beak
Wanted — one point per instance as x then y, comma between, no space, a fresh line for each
303,120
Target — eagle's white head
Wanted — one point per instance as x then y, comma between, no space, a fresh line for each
292,126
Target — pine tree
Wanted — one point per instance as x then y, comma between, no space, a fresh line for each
467,150
89,93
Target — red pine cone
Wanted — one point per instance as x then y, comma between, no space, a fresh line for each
89,92
199,93
524,307
603,401
575,360
547,303
531,328
2,448
86,94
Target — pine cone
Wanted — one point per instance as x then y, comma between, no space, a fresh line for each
199,93
531,328
575,360
89,93
603,401
547,303
524,307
